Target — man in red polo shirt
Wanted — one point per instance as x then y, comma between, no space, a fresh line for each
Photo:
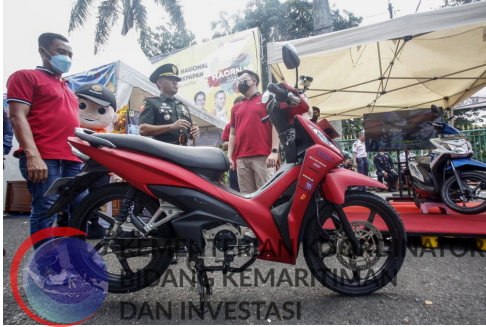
253,144
233,175
44,113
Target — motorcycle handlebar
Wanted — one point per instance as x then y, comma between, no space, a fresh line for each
280,94
437,126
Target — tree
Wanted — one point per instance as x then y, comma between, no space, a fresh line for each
322,17
453,3
351,127
464,118
279,21
134,15
164,41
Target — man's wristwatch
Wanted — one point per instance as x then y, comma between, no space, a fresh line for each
274,150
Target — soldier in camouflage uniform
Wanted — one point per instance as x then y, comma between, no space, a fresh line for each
165,118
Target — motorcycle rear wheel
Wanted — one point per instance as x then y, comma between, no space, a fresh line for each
476,184
125,275
334,275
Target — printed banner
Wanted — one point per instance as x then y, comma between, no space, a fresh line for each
132,122
209,70
104,75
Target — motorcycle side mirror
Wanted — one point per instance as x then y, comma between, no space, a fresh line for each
434,109
290,56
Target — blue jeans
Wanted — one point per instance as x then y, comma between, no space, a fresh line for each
363,168
40,203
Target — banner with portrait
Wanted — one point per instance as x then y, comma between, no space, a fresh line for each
209,70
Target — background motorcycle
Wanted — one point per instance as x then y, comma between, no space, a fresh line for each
449,174
174,193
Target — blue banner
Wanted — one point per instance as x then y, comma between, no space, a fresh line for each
104,75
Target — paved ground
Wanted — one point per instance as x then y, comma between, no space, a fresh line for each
455,285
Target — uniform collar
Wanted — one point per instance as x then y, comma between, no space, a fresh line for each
164,97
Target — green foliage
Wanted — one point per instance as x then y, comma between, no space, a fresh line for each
278,21
466,118
351,128
165,39
134,16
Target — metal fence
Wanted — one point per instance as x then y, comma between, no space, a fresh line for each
477,138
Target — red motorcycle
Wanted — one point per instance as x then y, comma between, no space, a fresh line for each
353,242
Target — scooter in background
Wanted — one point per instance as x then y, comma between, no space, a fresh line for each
449,174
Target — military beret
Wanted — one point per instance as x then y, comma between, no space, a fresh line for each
163,71
97,93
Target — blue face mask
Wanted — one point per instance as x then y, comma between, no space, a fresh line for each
59,63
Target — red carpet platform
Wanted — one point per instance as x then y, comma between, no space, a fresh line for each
432,224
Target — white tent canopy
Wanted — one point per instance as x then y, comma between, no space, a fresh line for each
437,57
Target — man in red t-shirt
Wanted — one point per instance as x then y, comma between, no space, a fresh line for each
44,113
233,175
253,144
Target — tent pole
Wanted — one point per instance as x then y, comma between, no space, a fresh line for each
449,111
269,71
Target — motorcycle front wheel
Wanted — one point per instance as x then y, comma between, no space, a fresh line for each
380,231
416,198
473,201
127,271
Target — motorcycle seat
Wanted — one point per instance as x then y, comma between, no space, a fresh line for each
206,159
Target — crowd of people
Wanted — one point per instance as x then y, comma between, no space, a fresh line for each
383,162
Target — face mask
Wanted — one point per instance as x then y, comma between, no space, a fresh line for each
243,88
59,63
314,119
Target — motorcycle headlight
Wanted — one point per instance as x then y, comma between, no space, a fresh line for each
459,150
445,145
323,138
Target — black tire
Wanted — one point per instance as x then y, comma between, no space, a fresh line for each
451,198
393,257
416,198
156,262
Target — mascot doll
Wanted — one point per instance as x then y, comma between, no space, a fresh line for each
97,106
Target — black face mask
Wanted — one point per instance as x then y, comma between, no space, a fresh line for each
243,88
314,118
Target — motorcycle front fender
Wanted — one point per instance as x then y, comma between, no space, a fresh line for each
467,164
337,180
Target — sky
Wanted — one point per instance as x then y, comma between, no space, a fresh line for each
25,20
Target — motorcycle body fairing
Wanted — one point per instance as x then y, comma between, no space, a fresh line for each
278,228
467,164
